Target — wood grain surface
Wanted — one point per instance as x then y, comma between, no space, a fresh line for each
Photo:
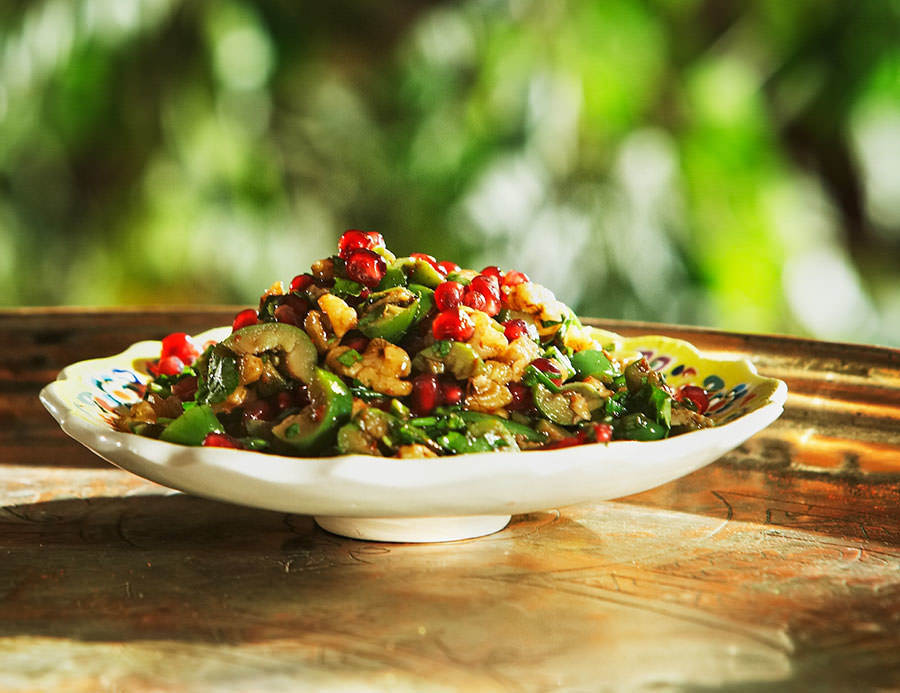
775,568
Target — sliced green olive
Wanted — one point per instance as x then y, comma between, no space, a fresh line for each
314,429
426,301
638,427
351,440
517,429
559,407
299,353
593,362
456,358
389,314
423,273
192,427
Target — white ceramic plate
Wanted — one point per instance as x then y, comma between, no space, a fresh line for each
419,500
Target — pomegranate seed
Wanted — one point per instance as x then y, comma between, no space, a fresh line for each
514,277
425,394
430,259
486,284
492,271
284,313
243,319
301,396
492,307
354,239
169,365
451,392
366,267
302,282
185,388
446,267
220,440
695,394
547,366
180,345
476,300
260,410
357,342
452,324
284,400
376,238
513,329
521,400
602,432
448,295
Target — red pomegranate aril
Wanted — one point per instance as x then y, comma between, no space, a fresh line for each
425,394
448,295
180,345
451,392
452,324
547,366
492,307
357,342
492,271
430,259
376,239
476,300
513,329
521,400
354,239
695,394
602,432
302,282
287,315
446,267
243,319
514,278
185,388
284,400
301,396
260,410
486,284
221,440
168,365
366,267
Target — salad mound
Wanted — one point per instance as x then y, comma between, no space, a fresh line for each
373,354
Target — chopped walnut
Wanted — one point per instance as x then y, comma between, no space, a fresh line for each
487,389
519,354
413,451
314,324
251,369
381,368
341,316
487,341
323,269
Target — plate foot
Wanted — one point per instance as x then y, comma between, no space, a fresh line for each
414,529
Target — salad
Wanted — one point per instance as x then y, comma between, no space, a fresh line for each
369,353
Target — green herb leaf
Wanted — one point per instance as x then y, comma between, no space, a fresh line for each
442,347
533,377
346,287
222,377
349,357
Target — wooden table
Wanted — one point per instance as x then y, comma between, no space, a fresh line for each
778,566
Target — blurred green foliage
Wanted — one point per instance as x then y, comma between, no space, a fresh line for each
727,163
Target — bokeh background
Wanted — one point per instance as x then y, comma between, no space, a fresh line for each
733,164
